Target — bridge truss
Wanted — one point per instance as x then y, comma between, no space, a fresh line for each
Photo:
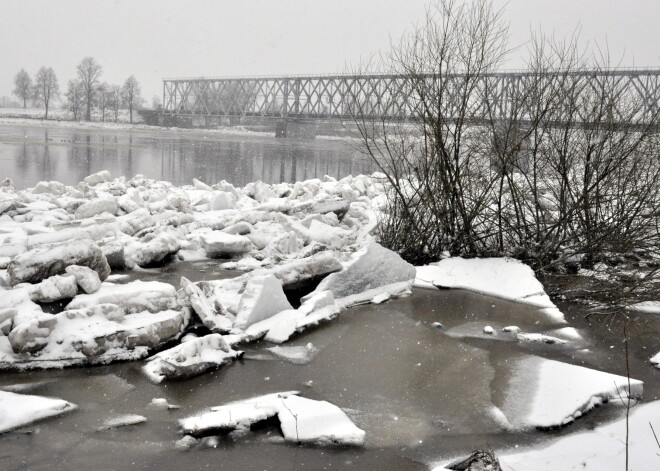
396,97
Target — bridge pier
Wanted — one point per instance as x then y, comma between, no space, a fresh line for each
295,128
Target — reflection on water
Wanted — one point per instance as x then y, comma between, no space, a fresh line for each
29,154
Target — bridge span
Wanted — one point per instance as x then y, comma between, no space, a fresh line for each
392,97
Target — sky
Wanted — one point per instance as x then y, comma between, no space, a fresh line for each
153,39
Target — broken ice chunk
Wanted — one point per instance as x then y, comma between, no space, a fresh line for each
219,244
302,420
263,298
136,296
190,358
371,272
504,278
559,392
655,360
296,355
48,260
96,206
215,321
122,421
17,410
86,278
55,288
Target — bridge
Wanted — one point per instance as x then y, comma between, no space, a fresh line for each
496,95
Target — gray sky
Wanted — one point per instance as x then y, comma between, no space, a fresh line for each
153,39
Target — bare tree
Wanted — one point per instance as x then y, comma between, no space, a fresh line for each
23,86
103,98
114,100
46,87
554,167
89,72
75,97
131,94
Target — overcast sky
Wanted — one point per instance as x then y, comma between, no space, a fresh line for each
168,38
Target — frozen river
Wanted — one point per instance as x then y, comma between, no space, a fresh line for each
30,153
420,392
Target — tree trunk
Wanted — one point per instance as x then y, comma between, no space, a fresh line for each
130,112
46,116
24,102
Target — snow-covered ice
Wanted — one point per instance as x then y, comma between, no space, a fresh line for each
17,410
504,278
601,449
301,420
190,358
561,392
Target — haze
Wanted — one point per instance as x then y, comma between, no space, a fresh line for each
166,38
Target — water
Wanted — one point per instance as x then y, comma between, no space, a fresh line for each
30,153
419,392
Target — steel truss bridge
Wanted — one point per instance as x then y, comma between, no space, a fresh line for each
392,97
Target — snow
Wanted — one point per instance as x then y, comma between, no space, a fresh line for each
17,410
503,278
561,392
302,420
601,449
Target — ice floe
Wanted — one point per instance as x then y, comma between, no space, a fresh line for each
503,278
560,392
17,410
301,420
122,421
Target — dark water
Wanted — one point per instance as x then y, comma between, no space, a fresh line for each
30,153
419,393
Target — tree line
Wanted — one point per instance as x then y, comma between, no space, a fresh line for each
83,94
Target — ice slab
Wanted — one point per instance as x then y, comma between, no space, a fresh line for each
559,392
122,421
302,420
504,278
216,320
220,244
48,260
17,410
370,272
601,449
299,355
190,358
263,298
136,296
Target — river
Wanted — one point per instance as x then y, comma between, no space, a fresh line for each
418,392
30,153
